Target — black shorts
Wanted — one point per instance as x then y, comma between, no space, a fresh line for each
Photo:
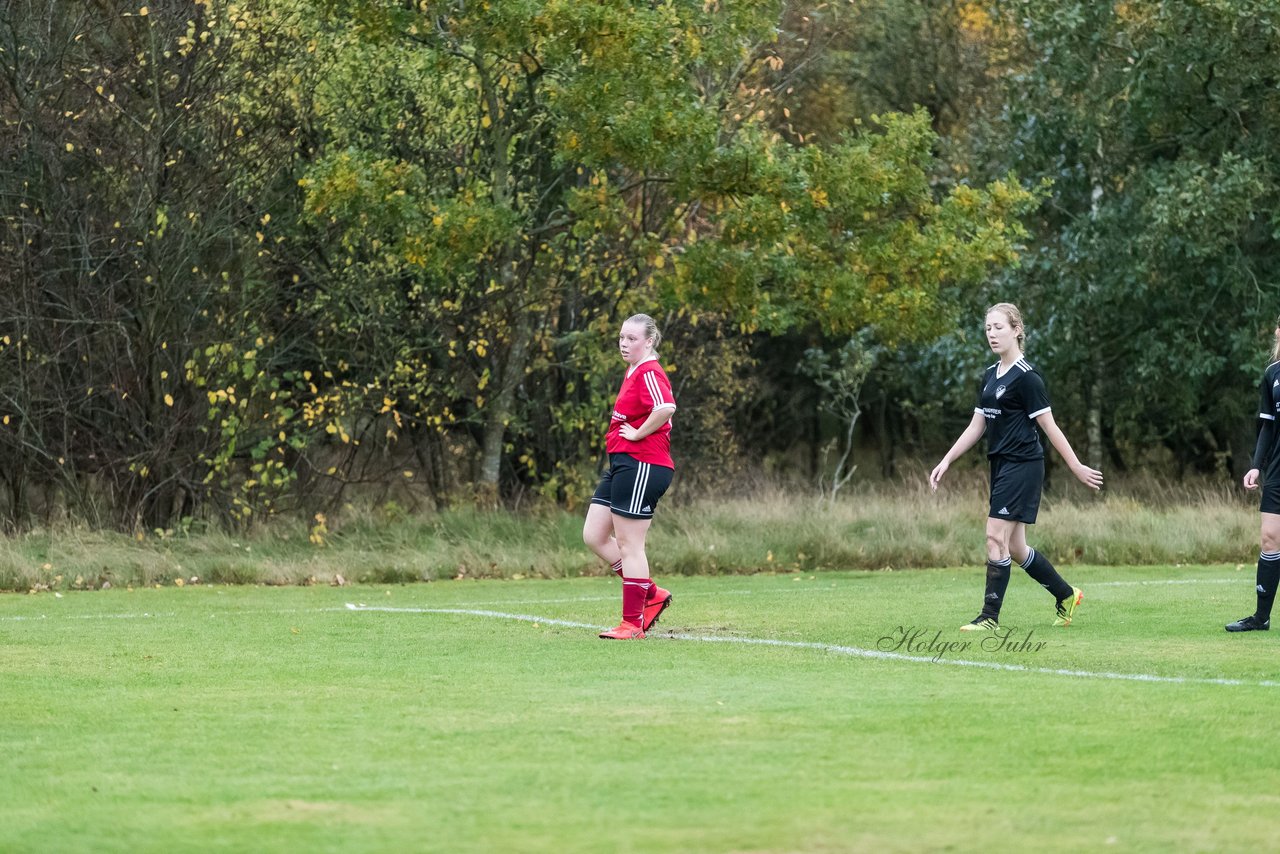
631,488
1271,498
1015,489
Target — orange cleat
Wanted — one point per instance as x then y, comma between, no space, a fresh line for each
654,607
624,631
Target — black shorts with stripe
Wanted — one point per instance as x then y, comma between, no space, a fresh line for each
1271,498
1015,489
631,488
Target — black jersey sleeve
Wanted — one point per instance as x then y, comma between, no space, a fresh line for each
1266,437
1267,427
1266,410
1035,398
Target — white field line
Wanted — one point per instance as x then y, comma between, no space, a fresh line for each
837,649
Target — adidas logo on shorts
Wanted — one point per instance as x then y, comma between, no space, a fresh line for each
646,509
1003,511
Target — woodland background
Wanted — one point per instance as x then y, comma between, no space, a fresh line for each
257,258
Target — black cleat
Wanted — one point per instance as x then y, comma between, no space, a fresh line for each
1249,624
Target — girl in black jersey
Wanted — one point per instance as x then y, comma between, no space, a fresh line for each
1266,463
1011,401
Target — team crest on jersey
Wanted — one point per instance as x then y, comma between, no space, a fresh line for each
1000,391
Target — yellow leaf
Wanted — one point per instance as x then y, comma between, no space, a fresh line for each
485,122
168,400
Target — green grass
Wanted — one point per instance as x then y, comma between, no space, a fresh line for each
267,719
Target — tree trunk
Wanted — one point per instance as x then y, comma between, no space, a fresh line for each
1093,447
501,410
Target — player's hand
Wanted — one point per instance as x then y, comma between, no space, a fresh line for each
1091,478
630,433
935,476
1251,479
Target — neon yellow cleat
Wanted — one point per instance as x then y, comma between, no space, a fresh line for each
1067,607
980,624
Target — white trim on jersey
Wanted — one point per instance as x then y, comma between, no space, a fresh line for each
1266,416
1025,365
637,489
1034,415
655,390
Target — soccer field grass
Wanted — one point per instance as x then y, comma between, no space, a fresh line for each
765,713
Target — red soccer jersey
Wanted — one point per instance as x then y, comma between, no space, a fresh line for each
644,389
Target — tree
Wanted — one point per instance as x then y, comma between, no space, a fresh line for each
1154,123
840,377
510,175
249,245
122,240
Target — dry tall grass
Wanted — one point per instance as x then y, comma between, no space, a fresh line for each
765,528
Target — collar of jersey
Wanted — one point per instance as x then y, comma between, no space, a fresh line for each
1010,368
631,370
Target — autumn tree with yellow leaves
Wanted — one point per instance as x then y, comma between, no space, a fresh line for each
257,251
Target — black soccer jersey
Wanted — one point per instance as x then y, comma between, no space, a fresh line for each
1266,457
1011,402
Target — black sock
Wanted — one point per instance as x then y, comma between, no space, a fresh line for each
1039,568
997,583
1268,578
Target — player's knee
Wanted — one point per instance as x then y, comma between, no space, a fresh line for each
997,548
594,537
630,544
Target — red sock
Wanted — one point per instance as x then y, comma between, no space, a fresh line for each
617,567
653,590
634,591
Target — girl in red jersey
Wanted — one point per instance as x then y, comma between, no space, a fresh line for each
640,468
